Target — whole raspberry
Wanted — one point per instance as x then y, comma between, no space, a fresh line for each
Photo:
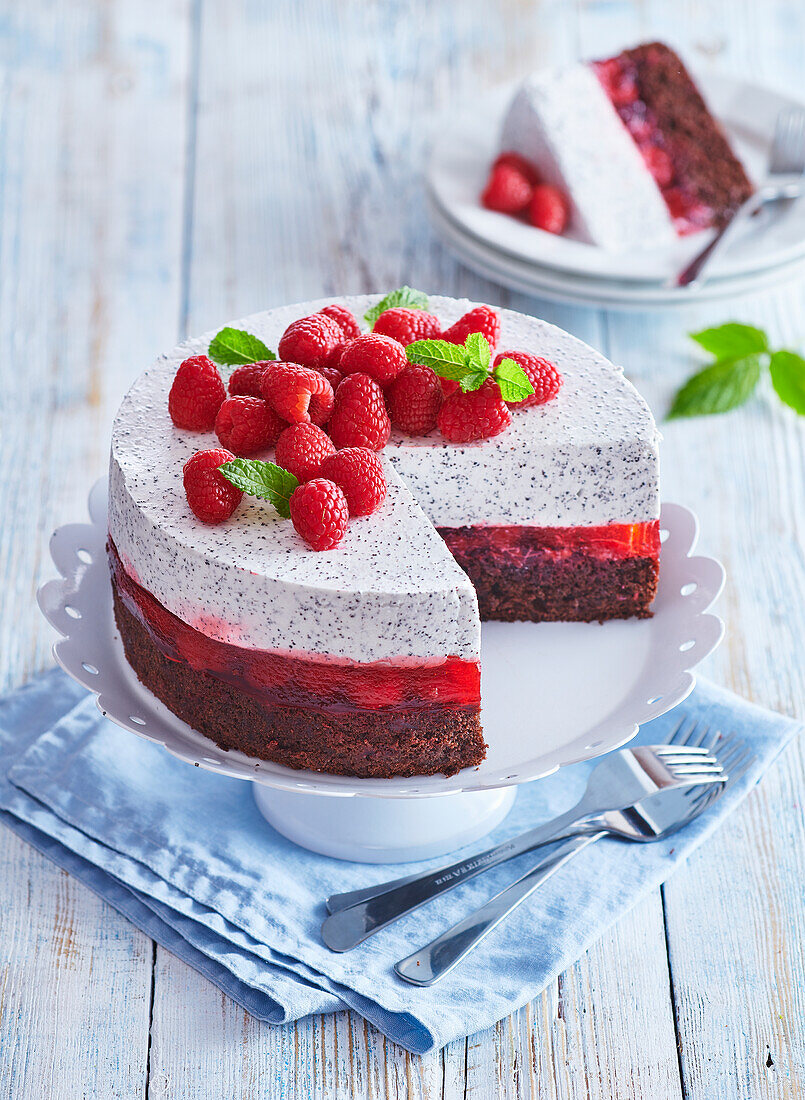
479,414
407,325
549,209
246,425
358,472
414,399
211,497
320,513
515,160
302,448
507,190
310,340
344,318
482,319
248,381
298,394
381,357
196,394
360,418
332,375
334,358
542,375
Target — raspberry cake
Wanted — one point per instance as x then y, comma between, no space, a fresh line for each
632,146
364,659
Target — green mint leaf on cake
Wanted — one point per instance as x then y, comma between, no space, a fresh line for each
718,388
732,341
513,381
445,359
788,378
406,297
236,348
262,479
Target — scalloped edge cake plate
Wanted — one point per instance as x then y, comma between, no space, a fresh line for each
468,143
552,693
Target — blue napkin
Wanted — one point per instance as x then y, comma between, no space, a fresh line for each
186,856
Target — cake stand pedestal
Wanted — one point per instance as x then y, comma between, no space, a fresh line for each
553,694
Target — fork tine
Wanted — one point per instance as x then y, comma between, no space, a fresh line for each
680,750
675,735
696,769
697,735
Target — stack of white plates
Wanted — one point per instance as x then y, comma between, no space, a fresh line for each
768,251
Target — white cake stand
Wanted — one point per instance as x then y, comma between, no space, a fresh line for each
553,694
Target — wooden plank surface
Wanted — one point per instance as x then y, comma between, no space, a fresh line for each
192,172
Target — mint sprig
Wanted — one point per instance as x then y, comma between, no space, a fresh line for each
236,348
741,354
262,479
406,296
471,365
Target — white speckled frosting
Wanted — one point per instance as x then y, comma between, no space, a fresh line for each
562,120
391,589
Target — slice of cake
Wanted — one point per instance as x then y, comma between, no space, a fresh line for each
631,143
364,659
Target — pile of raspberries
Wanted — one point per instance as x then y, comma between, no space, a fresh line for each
328,405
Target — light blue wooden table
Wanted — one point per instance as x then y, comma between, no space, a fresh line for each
168,164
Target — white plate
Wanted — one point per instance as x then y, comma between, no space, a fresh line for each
546,282
553,693
469,142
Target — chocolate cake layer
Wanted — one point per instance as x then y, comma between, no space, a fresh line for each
381,743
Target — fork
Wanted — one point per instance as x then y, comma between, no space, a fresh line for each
652,818
784,181
618,780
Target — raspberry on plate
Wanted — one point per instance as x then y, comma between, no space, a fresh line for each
302,448
414,399
549,209
320,513
482,319
360,418
246,425
358,472
310,340
344,318
381,357
507,190
298,394
542,375
196,395
407,325
247,381
515,160
479,414
211,497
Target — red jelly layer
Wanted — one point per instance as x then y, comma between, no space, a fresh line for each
517,544
282,680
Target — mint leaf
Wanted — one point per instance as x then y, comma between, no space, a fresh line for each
445,359
721,386
479,353
788,378
732,341
513,381
406,296
262,479
473,380
235,347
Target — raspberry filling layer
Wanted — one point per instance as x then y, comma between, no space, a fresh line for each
517,544
277,679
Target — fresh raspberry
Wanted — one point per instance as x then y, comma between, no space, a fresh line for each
414,399
248,381
196,394
449,386
407,325
482,319
542,375
479,414
310,340
298,394
549,209
333,376
320,513
359,418
334,358
381,357
515,160
358,472
247,425
344,318
507,190
302,448
211,497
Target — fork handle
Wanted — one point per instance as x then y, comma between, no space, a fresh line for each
694,273
432,962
